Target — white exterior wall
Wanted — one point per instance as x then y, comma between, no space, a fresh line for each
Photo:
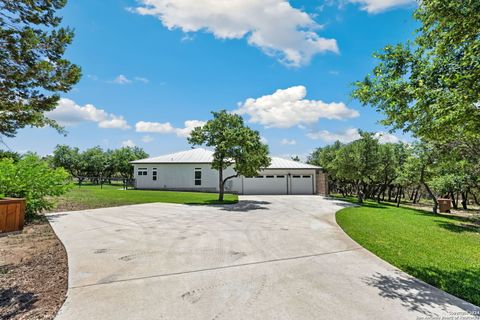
182,177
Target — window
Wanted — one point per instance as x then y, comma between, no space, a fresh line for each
308,177
281,177
142,171
198,176
297,176
154,174
259,177
270,177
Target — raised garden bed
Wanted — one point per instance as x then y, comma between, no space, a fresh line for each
12,214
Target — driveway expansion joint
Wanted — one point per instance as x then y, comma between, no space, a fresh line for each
218,268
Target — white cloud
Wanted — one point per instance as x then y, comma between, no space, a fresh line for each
376,6
263,140
128,143
288,141
189,126
386,137
142,79
287,108
165,128
68,113
350,135
346,136
147,139
121,79
274,26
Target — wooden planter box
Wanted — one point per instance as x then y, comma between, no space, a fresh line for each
12,214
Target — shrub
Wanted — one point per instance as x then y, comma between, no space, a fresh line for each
31,178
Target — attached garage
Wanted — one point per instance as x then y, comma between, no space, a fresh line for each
191,171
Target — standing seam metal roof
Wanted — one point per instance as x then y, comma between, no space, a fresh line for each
200,155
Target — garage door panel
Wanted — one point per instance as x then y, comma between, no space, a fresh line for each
302,184
268,184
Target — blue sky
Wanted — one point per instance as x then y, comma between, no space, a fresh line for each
152,69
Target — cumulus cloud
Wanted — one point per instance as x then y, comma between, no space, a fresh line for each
166,128
346,136
287,108
274,26
128,143
350,135
288,141
68,113
377,6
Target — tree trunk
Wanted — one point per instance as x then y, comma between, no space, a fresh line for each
416,195
221,185
475,198
435,202
454,201
464,200
399,196
359,193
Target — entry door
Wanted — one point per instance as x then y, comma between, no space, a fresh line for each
302,184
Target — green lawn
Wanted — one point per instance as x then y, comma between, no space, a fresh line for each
90,197
441,250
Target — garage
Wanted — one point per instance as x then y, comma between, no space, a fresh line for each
191,171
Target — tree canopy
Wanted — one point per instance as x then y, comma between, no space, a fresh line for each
32,69
96,164
430,86
235,145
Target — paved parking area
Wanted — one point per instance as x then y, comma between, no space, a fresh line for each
267,257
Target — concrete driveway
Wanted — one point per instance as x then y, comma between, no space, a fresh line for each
268,257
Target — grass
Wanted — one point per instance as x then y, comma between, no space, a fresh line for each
441,250
92,196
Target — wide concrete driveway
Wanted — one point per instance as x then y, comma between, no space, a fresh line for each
268,257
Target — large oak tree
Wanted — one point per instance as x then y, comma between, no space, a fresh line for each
235,145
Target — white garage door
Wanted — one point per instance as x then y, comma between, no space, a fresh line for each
267,184
302,184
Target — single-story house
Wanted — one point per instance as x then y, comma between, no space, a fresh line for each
191,171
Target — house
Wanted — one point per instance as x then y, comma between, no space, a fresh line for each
191,171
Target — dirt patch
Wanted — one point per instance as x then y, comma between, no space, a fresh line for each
33,273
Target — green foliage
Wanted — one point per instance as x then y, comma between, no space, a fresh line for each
440,250
235,145
95,163
121,158
430,87
364,166
15,156
32,66
33,179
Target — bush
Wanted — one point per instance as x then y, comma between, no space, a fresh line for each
31,178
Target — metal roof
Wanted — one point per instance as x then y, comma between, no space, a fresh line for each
200,155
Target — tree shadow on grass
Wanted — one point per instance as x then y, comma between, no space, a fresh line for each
459,228
417,296
14,302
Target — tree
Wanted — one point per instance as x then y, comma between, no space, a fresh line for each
32,68
430,86
33,179
121,158
296,158
71,160
235,145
